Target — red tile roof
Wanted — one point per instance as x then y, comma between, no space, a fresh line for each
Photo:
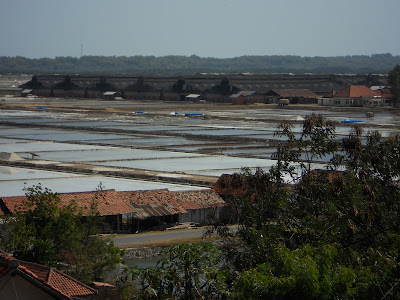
108,202
11,204
143,204
57,281
356,91
7,263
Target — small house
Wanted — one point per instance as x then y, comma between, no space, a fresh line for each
21,280
28,93
193,97
201,206
295,96
107,204
110,95
244,97
353,96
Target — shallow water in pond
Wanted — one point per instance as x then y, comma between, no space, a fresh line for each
106,155
195,163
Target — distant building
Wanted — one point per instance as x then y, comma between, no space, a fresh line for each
212,87
28,92
295,96
193,97
353,96
246,97
110,95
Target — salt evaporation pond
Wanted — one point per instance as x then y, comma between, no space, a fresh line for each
147,142
24,146
106,155
224,132
35,121
86,183
9,140
13,173
33,131
195,163
152,128
77,136
90,124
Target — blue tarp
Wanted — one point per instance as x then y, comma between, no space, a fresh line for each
351,121
193,114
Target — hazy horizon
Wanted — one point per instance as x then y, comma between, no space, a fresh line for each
350,55
217,29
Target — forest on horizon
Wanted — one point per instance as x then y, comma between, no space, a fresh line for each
184,65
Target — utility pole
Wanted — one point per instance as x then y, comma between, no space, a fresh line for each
81,50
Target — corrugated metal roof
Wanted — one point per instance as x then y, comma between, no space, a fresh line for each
287,93
110,93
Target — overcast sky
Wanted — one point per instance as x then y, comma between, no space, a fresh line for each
207,28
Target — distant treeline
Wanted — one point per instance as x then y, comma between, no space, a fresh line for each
151,65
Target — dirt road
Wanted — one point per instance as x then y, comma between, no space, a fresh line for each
161,238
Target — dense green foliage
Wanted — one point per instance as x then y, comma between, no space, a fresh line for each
45,232
145,65
333,233
394,81
187,271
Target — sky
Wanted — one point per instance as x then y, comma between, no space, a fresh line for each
206,28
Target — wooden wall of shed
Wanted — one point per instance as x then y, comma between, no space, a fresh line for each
201,216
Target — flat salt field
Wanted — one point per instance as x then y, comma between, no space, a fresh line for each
35,121
250,151
21,113
218,173
224,132
23,146
12,173
11,141
78,136
195,163
32,131
90,124
152,128
147,142
85,184
105,155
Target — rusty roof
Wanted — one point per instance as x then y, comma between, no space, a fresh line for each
198,199
163,202
152,203
60,283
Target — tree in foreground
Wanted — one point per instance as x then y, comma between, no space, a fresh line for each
394,82
45,232
333,233
186,271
